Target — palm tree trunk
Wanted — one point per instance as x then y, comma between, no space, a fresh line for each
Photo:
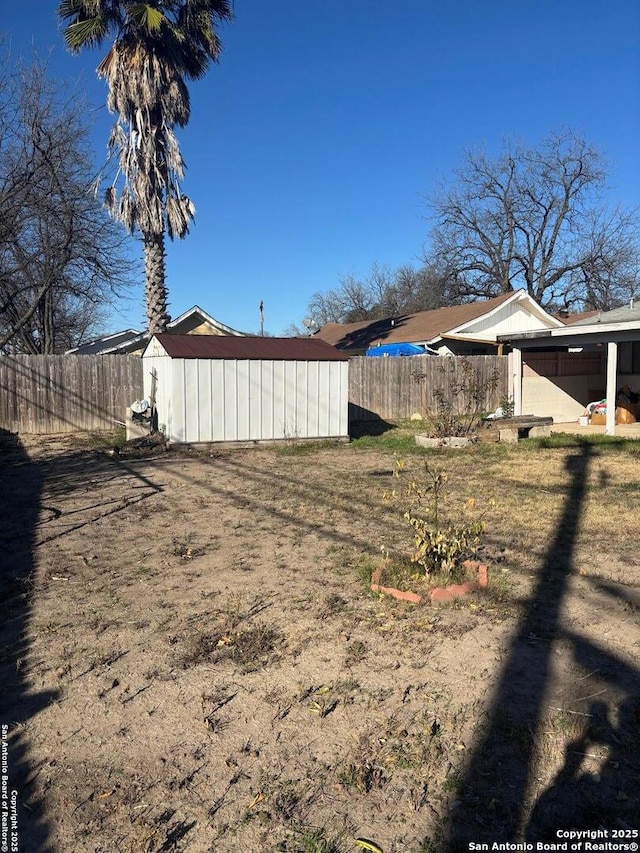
155,289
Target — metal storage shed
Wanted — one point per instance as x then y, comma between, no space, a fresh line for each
213,389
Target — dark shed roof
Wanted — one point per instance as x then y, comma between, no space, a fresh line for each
227,346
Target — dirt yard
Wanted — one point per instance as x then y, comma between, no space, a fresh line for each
193,661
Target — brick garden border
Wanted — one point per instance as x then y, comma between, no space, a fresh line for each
439,595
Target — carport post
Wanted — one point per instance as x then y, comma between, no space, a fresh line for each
516,372
612,375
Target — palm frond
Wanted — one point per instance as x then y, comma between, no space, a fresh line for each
88,32
145,17
179,215
110,201
70,8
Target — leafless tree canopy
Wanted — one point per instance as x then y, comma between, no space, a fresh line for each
382,293
536,218
62,259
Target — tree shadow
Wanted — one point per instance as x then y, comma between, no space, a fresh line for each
26,524
370,332
20,502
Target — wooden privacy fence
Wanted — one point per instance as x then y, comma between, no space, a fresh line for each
66,393
396,388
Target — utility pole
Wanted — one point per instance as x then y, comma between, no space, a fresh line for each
261,319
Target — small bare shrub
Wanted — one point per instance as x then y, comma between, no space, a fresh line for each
460,406
439,544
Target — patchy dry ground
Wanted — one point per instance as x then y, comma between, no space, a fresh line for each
192,660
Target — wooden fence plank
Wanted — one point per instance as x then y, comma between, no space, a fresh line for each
67,393
396,388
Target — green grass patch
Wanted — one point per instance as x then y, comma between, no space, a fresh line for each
399,438
392,438
365,567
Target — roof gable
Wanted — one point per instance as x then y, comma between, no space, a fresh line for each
185,323
195,317
428,326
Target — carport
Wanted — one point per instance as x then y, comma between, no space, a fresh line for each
609,342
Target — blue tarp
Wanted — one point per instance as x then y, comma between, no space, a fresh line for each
397,349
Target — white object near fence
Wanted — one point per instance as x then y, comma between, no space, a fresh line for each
241,389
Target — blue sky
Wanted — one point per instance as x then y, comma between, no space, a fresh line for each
314,141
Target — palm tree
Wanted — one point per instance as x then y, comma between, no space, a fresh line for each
155,47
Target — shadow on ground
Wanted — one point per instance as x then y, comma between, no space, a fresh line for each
30,494
494,802
20,501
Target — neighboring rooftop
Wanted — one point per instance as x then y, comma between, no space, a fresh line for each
569,319
626,314
105,343
473,321
421,326
195,321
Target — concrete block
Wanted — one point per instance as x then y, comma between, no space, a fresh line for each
539,431
136,429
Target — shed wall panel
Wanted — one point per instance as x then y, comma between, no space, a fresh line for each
255,399
278,398
204,410
203,400
230,410
163,368
302,373
243,400
290,427
217,398
266,399
313,407
324,402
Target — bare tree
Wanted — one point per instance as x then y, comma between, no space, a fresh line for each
422,289
383,292
536,218
62,259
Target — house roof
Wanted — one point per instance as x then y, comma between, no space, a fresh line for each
105,343
195,312
191,319
423,326
221,346
626,314
133,340
570,319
